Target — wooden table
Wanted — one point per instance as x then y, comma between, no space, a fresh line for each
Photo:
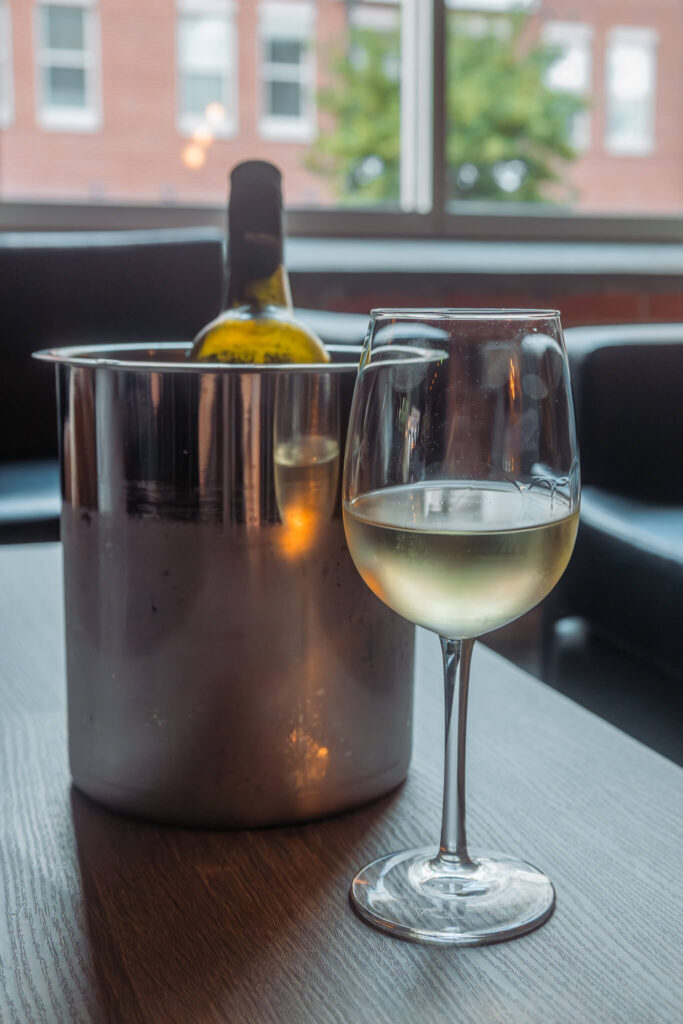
103,918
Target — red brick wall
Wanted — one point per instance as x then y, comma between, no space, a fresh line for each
137,153
631,184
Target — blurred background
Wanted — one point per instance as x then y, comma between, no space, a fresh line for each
561,103
491,120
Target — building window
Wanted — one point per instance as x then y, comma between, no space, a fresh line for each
572,70
6,92
207,65
630,102
67,67
287,71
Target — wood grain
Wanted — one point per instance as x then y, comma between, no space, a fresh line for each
108,919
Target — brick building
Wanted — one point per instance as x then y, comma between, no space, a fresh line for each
625,56
118,100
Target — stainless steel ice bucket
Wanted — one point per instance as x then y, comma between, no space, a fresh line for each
226,665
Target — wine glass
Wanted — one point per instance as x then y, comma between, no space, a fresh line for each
461,503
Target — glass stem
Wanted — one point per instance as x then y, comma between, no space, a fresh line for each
457,655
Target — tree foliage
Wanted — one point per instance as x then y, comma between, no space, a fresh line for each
508,132
359,155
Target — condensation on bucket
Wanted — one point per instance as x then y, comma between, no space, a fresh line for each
226,665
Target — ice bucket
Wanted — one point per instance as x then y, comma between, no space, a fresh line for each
226,665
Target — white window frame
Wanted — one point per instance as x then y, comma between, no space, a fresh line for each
575,34
646,38
61,118
296,22
188,123
6,66
493,6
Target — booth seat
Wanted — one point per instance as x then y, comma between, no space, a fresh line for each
66,288
625,578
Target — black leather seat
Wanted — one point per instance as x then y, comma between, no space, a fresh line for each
626,574
84,288
29,500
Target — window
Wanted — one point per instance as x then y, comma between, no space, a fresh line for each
487,119
207,65
67,65
571,71
6,93
630,100
287,71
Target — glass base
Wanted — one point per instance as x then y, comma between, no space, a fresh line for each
414,896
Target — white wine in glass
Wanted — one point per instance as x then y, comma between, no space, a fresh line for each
461,504
460,559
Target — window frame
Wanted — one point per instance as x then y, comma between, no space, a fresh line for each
6,66
52,116
283,127
186,122
458,221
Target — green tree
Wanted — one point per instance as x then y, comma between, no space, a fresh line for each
359,154
508,132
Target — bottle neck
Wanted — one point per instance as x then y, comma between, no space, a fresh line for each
258,293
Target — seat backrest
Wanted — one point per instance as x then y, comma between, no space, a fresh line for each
86,288
628,394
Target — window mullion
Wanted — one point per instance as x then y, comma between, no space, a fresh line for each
416,173
439,121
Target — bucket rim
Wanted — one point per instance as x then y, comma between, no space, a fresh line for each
113,357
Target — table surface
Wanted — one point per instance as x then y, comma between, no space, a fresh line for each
107,919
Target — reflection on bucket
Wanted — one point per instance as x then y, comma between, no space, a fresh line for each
226,664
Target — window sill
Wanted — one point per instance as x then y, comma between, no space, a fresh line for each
285,129
56,120
429,257
474,222
637,150
340,242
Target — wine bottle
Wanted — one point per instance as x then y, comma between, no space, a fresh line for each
258,324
